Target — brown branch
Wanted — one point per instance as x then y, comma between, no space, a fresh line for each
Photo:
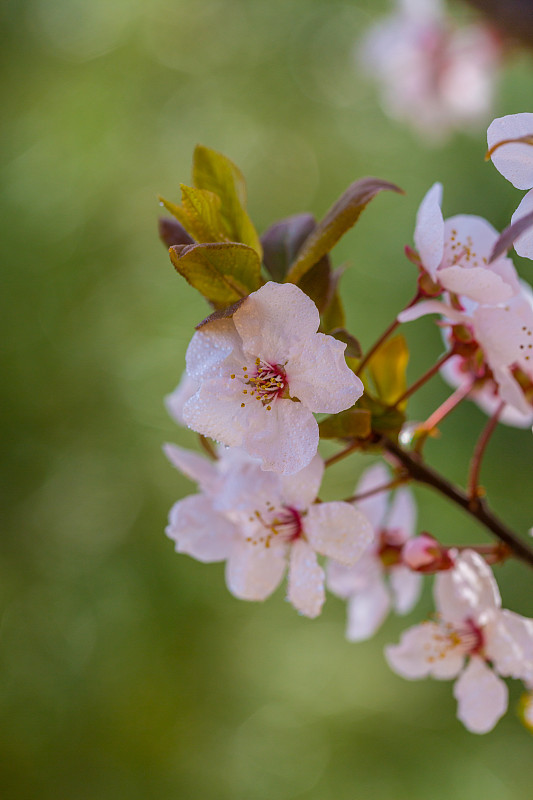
477,507
479,451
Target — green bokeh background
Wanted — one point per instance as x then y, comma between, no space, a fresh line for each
129,671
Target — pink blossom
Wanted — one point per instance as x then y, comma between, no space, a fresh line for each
263,373
380,579
175,401
473,640
260,523
435,77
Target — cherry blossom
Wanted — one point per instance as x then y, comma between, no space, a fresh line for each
379,580
263,373
456,253
260,523
473,640
432,76
515,162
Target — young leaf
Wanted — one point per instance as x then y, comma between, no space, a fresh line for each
215,173
387,368
203,211
333,315
340,218
318,283
222,272
172,232
351,424
282,241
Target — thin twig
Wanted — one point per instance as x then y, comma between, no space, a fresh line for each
479,451
478,509
446,408
404,478
342,454
385,335
424,378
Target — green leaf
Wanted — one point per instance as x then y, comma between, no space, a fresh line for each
340,218
215,173
384,419
282,241
333,315
203,210
222,272
387,369
355,423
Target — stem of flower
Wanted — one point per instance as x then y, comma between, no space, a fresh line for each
474,490
385,335
207,445
425,377
446,408
342,454
426,475
493,554
402,478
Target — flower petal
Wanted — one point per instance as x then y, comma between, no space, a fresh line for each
346,581
481,697
196,467
301,489
524,243
514,161
274,317
215,410
319,376
429,231
468,591
175,401
284,438
306,580
199,531
423,651
430,307
210,346
477,283
338,530
406,586
253,572
509,644
374,507
402,517
367,611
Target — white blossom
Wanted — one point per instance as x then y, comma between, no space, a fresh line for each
263,373
175,401
473,640
379,580
260,523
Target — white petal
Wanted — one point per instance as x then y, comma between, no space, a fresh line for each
306,580
481,697
301,489
338,530
272,318
319,376
367,611
175,401
514,161
209,347
284,438
503,333
430,307
524,243
215,410
374,507
253,571
477,283
402,516
194,466
429,231
422,651
199,531
509,644
406,586
346,581
468,591
510,390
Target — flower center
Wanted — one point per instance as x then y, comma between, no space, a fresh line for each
466,639
265,382
390,547
277,525
462,254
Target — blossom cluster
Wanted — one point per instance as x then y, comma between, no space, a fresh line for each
272,357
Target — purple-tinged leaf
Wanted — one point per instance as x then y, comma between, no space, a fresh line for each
172,232
509,236
282,241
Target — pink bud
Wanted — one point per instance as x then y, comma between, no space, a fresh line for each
425,554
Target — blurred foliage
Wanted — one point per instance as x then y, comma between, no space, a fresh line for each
128,671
